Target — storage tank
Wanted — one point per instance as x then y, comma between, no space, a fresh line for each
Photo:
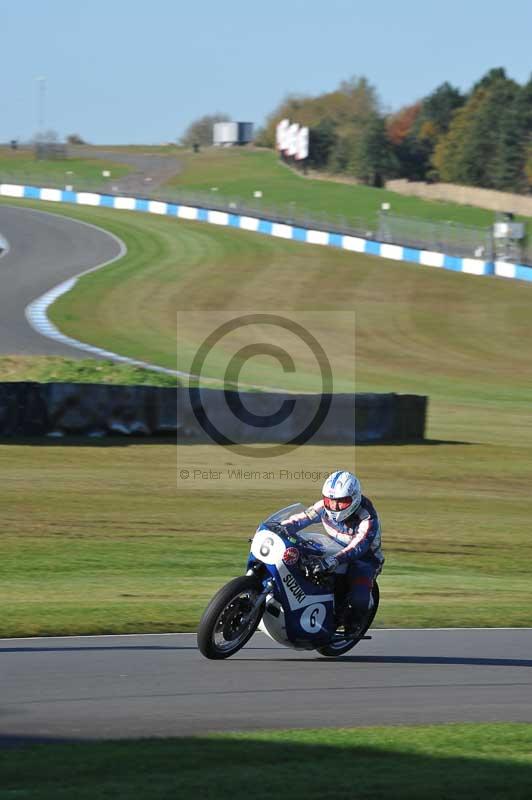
229,133
245,132
225,133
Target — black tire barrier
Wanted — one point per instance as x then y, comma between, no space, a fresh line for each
81,409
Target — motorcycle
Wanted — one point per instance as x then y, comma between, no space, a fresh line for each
284,595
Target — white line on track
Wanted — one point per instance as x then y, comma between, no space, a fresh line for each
37,316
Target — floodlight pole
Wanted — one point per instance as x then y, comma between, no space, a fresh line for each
42,98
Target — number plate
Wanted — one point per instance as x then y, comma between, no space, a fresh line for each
268,547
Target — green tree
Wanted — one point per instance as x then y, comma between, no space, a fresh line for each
514,142
470,151
322,141
200,131
375,161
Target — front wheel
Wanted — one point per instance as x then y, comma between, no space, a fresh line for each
231,618
340,646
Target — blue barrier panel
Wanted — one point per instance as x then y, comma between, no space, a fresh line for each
107,201
335,240
203,215
32,193
264,226
453,263
299,234
372,248
172,209
523,273
234,220
69,197
141,205
409,254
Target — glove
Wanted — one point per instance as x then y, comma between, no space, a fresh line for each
277,527
326,566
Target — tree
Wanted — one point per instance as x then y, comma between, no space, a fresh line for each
470,152
439,107
322,142
514,142
75,138
375,157
200,131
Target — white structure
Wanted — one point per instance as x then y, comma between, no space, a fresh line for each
292,140
302,144
225,134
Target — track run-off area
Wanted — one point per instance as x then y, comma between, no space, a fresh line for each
83,688
159,685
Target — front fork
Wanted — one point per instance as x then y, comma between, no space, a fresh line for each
267,589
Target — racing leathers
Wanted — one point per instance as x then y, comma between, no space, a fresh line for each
360,558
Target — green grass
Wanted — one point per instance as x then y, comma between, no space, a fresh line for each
238,173
463,762
54,369
110,540
462,340
19,166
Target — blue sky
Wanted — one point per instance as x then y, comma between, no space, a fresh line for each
123,71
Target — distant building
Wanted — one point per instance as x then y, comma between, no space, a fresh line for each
226,134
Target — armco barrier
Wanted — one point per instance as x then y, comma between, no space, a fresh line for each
65,409
356,244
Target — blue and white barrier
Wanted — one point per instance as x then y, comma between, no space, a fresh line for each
471,266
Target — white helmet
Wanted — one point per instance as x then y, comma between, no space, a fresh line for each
341,495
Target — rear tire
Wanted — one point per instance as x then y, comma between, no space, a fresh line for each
230,619
334,650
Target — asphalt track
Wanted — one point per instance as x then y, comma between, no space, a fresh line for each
160,685
45,250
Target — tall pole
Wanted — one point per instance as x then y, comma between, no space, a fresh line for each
42,98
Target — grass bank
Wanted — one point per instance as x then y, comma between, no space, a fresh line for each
116,538
21,166
465,762
110,538
462,340
240,172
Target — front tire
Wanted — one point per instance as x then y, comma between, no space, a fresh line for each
333,650
230,619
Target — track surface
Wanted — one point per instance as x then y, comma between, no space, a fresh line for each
45,250
160,685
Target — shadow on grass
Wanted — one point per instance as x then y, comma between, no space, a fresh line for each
401,763
127,441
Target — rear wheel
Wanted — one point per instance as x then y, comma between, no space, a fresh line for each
231,618
341,645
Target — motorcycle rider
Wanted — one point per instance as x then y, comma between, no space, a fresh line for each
352,521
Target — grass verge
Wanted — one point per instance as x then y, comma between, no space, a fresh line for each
113,539
462,340
54,369
21,167
465,762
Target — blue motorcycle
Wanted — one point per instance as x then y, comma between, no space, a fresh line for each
284,595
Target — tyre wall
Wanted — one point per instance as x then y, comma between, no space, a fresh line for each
201,416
